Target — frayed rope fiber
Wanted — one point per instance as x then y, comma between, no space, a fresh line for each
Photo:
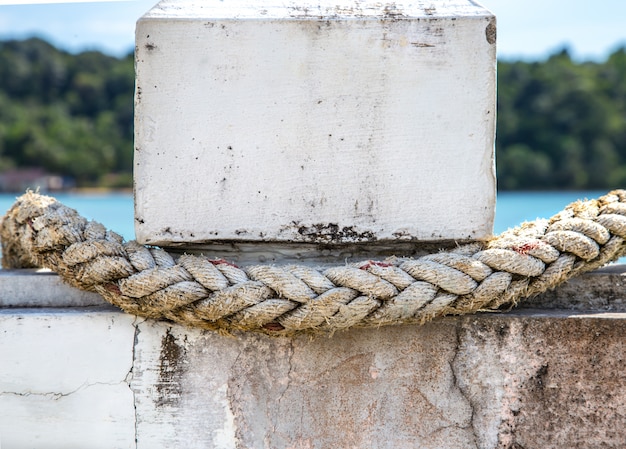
213,294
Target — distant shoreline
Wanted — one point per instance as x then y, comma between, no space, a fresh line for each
76,191
96,190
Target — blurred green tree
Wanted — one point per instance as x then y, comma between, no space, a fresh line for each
69,114
562,124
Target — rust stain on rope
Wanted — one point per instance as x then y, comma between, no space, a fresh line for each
214,294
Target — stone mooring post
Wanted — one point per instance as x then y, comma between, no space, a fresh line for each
270,129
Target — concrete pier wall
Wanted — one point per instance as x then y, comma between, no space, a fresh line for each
77,373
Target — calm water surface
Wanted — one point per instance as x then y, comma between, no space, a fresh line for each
115,210
513,208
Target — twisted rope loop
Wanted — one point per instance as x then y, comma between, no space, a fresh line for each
213,294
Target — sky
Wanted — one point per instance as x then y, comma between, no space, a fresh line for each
527,29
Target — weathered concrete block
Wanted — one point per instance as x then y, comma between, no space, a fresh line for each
525,379
323,122
95,416
550,379
64,378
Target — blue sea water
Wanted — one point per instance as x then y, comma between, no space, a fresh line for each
116,210
513,208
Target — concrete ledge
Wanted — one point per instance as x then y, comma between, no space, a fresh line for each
601,290
41,288
532,378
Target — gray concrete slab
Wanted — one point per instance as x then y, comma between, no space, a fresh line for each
41,288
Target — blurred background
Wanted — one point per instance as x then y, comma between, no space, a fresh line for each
67,80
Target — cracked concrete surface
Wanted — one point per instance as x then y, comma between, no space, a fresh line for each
461,383
129,376
63,378
302,392
530,378
473,382
391,387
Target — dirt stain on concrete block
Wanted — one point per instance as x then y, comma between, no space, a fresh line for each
171,370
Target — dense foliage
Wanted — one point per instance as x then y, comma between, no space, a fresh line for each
70,114
561,124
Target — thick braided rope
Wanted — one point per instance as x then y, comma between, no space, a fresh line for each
214,294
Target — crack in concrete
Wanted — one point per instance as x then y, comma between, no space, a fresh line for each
291,350
58,395
55,396
456,382
129,376
127,380
275,415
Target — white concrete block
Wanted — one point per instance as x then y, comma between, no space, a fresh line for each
76,347
324,122
64,378
95,417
